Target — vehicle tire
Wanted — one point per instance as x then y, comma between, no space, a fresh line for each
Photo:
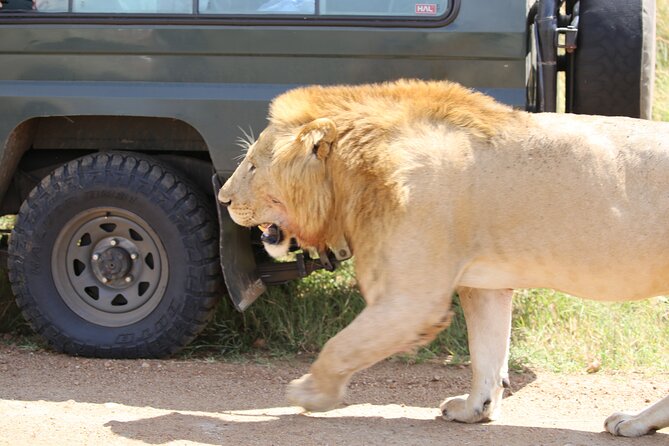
614,63
114,255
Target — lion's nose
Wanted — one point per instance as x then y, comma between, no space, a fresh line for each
223,198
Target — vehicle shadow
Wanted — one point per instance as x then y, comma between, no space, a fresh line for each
296,429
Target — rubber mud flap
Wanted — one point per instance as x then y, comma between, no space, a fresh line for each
237,261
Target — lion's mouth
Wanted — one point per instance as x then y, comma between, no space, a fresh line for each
271,234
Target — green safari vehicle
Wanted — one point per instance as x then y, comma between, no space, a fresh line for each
119,119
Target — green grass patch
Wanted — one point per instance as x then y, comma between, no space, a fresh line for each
300,317
555,331
551,330
297,317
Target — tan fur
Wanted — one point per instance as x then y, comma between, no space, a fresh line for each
434,188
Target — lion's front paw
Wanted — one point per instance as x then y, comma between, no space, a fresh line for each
463,409
305,392
626,425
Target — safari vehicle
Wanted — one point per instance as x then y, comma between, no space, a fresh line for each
120,119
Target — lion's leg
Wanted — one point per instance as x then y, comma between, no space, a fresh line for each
648,421
488,317
394,323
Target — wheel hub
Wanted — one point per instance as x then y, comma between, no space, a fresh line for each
109,266
115,262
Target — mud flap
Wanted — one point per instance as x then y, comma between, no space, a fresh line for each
237,261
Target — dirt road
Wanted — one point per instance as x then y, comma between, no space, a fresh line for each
52,399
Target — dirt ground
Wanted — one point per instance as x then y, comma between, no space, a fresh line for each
52,399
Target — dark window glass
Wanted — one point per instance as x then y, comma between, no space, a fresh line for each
350,8
134,6
406,8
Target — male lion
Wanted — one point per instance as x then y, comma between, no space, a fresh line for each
436,188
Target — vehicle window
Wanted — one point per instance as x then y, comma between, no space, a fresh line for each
134,6
51,5
257,6
326,7
9,5
374,8
383,7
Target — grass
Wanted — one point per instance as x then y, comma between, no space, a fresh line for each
297,317
301,316
550,330
554,331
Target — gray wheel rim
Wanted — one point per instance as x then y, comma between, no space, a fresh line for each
109,266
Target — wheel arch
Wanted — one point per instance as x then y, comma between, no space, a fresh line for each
38,145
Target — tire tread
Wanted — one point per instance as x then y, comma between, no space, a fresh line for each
174,194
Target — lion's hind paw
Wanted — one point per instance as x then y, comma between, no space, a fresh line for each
626,425
460,409
304,392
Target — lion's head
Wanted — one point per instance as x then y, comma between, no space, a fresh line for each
333,167
283,180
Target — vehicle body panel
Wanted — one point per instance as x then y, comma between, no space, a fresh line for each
219,79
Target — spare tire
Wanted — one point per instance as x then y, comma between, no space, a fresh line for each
614,64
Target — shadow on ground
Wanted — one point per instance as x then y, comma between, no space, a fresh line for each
49,397
296,429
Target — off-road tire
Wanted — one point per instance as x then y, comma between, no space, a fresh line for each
139,196
613,66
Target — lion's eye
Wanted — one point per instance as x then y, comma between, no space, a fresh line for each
252,168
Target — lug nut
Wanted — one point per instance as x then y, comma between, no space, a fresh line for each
105,280
113,242
128,279
134,256
96,257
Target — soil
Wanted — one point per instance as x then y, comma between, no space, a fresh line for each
52,399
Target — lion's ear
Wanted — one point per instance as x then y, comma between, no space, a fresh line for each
318,136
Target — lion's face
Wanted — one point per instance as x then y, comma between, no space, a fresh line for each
251,192
283,180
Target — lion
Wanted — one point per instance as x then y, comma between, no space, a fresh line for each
435,188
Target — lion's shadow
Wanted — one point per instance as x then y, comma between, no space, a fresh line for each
296,429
